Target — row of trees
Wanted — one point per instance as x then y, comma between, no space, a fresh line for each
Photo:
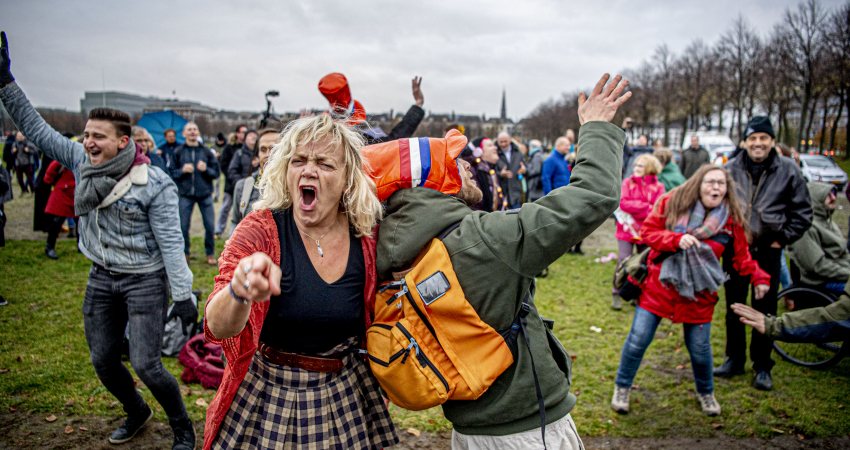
798,74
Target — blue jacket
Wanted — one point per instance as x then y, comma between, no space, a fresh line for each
556,172
196,184
140,232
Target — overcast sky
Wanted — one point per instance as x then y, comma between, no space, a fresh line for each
227,54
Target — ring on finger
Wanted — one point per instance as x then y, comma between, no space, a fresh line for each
246,285
247,269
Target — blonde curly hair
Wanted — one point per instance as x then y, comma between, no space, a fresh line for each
359,199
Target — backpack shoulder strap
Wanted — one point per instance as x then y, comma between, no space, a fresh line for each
446,231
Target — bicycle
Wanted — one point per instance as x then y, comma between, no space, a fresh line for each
820,355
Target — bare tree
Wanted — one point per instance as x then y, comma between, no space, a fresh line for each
838,46
739,49
803,43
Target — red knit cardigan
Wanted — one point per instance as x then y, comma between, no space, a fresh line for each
257,232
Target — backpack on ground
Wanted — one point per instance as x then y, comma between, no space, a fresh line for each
629,275
427,344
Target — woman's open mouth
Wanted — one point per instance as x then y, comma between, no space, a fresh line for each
308,197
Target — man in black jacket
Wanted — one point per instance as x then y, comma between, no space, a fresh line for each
694,157
224,161
777,201
194,169
511,169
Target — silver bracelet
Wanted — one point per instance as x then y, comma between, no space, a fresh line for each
241,300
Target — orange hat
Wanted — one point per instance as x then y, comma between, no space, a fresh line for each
334,87
406,163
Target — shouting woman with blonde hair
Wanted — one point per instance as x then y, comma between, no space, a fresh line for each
292,302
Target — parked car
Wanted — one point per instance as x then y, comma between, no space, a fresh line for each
822,169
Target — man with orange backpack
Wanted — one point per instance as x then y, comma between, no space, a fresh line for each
494,258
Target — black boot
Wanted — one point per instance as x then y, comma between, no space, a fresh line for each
51,253
131,426
184,434
763,382
729,368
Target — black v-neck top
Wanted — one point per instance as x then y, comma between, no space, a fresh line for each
311,316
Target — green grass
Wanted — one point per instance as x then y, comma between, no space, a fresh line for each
44,365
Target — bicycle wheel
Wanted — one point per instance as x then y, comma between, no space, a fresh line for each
815,355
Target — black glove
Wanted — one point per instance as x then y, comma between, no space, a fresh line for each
5,62
187,312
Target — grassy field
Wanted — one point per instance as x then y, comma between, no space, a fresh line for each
44,366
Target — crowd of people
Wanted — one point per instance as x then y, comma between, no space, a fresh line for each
304,256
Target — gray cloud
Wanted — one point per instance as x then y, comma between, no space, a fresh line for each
227,54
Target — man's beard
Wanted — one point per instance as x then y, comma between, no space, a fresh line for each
470,193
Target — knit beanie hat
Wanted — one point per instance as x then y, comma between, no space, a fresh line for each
759,124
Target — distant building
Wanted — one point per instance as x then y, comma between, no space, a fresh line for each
129,103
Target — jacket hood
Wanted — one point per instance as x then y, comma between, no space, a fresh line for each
413,217
818,193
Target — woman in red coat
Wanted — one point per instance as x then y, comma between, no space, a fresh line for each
687,232
638,195
60,205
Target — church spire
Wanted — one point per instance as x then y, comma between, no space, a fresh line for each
504,113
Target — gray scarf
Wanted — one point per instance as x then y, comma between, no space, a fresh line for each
96,182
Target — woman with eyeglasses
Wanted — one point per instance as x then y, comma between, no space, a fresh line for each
687,232
143,137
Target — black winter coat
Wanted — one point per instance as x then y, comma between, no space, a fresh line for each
224,162
196,184
404,129
778,206
240,166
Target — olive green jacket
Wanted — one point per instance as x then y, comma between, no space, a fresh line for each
829,323
821,252
496,256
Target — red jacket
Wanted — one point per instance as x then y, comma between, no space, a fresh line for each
663,300
638,196
61,201
257,232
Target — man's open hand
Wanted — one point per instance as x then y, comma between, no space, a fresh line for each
416,87
604,101
749,316
5,62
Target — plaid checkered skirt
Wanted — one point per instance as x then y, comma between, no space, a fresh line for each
287,407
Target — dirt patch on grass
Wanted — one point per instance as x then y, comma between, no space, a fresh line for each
30,431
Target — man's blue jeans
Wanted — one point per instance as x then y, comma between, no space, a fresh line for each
112,301
205,204
697,339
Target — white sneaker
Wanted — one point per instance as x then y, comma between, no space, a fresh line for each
620,400
709,404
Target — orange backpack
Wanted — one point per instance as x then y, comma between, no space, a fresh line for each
427,344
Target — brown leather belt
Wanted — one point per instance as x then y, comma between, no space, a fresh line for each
311,363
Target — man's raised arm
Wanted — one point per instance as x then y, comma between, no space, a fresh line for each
26,118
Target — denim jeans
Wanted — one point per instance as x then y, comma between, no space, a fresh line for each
112,301
697,339
205,204
224,213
